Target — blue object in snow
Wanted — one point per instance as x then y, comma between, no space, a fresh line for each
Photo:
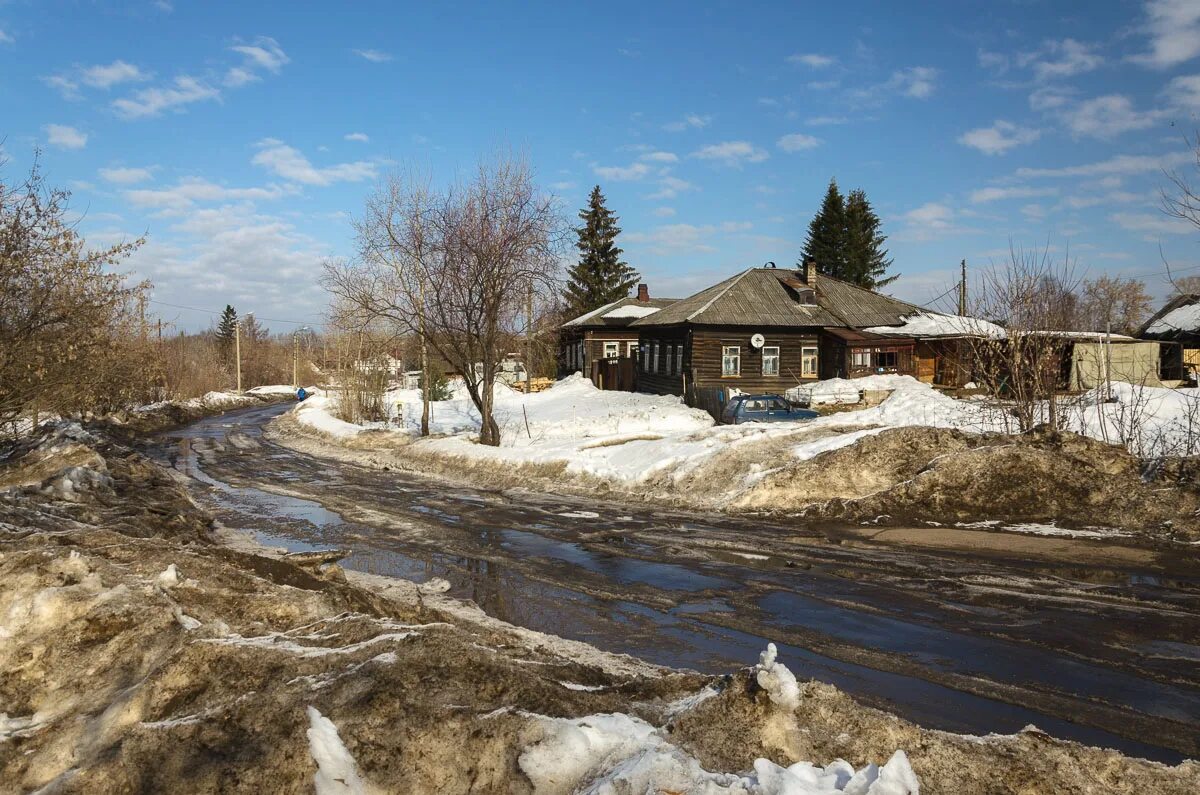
301,394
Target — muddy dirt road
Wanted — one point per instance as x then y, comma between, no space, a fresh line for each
970,631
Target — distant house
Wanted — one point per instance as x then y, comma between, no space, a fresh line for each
766,329
604,335
1177,326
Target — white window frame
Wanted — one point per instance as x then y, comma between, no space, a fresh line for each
810,361
731,354
614,347
863,353
773,357
654,357
679,359
631,349
645,357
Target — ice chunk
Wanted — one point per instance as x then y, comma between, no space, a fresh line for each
337,772
168,578
777,680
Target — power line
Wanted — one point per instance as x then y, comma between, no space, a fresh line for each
260,317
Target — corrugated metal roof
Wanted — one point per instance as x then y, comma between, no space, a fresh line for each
771,297
1175,320
597,317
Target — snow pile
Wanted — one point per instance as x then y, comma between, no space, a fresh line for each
1151,421
632,310
847,390
272,390
337,773
774,677
933,324
317,412
1182,318
73,482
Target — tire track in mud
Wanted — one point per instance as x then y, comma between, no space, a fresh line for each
967,643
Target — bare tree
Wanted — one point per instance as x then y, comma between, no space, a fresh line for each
455,267
1029,295
62,308
1185,285
1113,304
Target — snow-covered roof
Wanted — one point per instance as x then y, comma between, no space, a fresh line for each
1181,318
934,324
1090,336
620,313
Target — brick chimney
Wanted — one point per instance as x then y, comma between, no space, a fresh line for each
810,273
643,293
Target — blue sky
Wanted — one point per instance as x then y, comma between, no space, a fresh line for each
242,138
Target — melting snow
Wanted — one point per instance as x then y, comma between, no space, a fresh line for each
337,772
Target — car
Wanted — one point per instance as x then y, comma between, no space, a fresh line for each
763,408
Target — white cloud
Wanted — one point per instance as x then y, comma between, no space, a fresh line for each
1174,30
65,137
660,157
357,136
664,212
993,61
1060,59
1107,117
999,138
374,56
125,176
193,190
692,121
1119,165
797,142
916,81
628,173
669,187
264,53
821,121
732,153
813,60
184,91
1183,93
5,38
1050,98
1034,212
1155,223
674,239
930,221
108,75
983,195
289,163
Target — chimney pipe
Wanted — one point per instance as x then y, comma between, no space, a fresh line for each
643,293
810,272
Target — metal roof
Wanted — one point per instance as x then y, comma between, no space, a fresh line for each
778,297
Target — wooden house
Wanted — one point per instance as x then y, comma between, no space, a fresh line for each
596,342
767,329
1177,327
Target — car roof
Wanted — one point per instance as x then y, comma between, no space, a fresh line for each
758,397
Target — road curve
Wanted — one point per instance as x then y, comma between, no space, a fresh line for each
968,631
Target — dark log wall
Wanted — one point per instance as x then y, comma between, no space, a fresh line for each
703,354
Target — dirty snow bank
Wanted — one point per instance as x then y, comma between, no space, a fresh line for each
621,753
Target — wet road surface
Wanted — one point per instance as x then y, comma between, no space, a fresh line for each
979,643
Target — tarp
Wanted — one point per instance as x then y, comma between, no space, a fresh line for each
1132,362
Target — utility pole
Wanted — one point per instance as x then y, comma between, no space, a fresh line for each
529,339
237,348
424,364
295,358
962,291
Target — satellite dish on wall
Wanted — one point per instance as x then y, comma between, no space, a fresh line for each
757,340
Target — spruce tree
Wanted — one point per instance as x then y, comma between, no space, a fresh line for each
826,241
866,260
226,330
600,277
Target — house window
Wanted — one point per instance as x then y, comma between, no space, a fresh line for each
654,367
808,362
888,359
669,364
631,349
612,350
731,360
646,357
679,359
860,357
770,357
